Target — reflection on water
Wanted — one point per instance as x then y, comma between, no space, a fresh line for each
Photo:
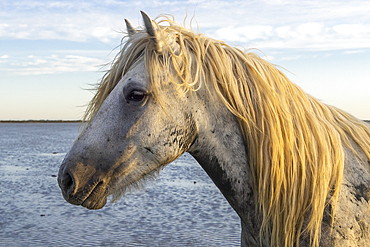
182,208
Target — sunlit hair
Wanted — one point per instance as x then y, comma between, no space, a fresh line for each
295,143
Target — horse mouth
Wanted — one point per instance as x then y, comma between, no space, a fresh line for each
97,198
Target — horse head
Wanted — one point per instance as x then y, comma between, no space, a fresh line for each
131,134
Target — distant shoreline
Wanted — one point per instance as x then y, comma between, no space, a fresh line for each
63,121
40,121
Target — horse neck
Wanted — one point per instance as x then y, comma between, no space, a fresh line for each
221,151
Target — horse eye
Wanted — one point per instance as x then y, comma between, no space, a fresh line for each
136,96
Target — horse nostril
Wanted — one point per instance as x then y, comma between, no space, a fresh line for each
67,183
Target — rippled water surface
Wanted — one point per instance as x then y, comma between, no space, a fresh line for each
181,208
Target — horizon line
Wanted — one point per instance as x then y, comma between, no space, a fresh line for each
65,121
42,121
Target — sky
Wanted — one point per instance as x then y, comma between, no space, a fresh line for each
52,52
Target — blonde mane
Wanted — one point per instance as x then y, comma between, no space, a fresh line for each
295,143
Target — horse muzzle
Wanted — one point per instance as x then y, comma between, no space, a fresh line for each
82,185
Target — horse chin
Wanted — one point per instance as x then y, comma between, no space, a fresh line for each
94,203
97,197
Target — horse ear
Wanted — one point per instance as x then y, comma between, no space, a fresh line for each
129,28
153,31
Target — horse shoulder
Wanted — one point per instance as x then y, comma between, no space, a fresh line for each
351,225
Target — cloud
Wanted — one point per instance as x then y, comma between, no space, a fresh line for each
285,31
275,24
244,34
68,29
67,20
277,2
290,58
309,29
4,56
352,29
54,64
305,36
354,52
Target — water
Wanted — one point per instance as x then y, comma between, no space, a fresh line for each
182,208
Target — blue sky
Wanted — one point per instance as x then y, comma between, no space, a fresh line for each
51,51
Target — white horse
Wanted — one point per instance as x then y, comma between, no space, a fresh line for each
294,169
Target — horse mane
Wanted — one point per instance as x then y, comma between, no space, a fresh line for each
295,142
